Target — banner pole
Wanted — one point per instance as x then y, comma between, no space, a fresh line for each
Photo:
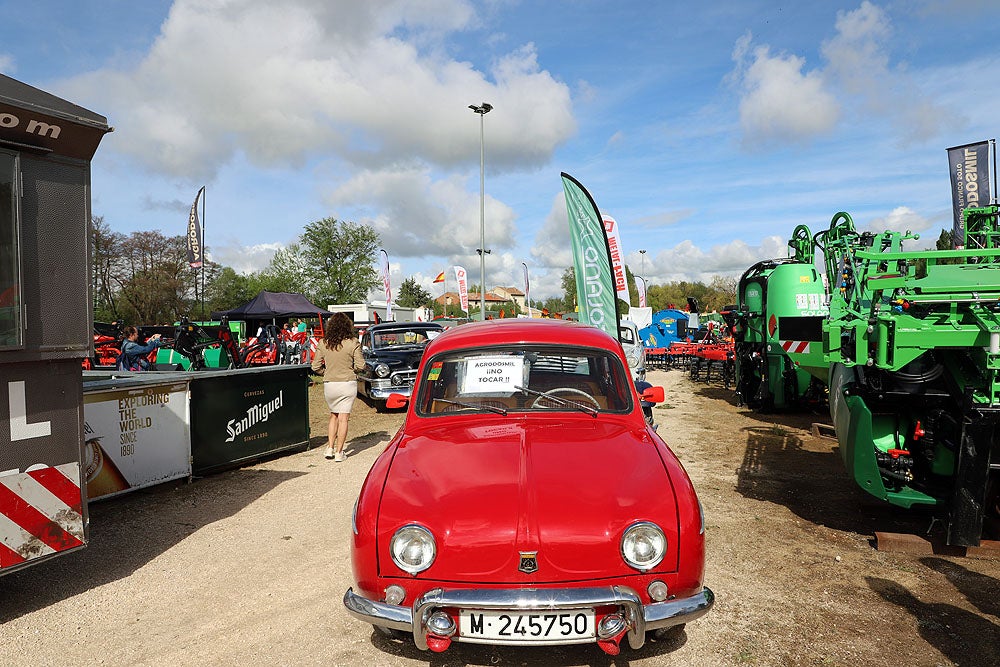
993,145
204,196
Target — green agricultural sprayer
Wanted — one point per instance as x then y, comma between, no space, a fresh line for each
778,332
906,346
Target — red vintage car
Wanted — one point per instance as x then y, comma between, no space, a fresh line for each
526,501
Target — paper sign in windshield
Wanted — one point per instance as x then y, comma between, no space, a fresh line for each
490,375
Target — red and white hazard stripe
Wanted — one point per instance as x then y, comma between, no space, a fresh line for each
795,346
41,512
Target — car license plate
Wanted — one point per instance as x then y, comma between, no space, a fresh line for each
569,626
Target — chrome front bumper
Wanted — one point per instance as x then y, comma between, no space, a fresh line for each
367,387
383,393
640,618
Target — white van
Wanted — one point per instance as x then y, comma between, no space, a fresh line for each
628,334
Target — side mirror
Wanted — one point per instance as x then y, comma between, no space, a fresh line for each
400,401
652,395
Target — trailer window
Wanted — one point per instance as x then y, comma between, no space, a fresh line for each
10,260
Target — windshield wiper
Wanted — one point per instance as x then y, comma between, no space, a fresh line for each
560,401
475,406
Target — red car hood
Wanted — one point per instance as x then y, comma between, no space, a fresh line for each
564,488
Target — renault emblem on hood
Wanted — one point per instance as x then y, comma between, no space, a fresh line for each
529,562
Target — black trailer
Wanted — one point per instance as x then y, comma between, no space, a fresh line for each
46,145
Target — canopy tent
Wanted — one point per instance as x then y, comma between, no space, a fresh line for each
271,306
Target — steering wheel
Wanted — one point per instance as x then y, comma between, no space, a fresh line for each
566,390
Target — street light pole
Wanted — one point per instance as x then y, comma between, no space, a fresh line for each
482,110
642,253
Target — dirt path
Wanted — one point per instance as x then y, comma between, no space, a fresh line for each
249,566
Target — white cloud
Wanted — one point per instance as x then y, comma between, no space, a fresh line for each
900,219
7,64
242,259
856,56
552,249
552,254
417,216
780,102
287,83
858,62
688,261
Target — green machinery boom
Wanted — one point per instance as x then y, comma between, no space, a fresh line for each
913,347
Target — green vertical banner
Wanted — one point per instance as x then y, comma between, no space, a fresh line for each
595,282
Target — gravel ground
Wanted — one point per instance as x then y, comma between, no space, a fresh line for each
249,566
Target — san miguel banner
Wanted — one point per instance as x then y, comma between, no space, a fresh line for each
463,288
617,265
387,285
195,250
595,283
970,182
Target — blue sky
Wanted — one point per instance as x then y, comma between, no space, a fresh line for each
709,131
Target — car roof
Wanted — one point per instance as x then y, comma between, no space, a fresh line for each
382,326
523,330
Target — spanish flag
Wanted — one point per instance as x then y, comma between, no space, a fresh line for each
440,278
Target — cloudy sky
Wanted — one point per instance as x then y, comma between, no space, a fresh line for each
708,130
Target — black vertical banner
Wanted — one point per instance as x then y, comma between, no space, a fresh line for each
194,247
970,182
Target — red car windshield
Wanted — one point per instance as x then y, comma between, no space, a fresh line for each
503,380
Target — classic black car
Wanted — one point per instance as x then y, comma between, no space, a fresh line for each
392,353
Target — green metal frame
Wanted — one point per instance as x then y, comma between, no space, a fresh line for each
875,312
938,309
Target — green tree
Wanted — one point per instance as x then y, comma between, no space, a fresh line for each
153,281
568,284
287,272
633,293
944,242
412,295
338,260
230,289
105,250
553,304
721,293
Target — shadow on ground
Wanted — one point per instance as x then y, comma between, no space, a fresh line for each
128,531
355,446
807,476
964,637
557,656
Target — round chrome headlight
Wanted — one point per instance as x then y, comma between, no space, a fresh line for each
382,370
413,549
644,545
